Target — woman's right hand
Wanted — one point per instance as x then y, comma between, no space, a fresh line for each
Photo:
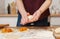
24,19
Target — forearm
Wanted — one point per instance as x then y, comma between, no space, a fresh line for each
45,6
20,7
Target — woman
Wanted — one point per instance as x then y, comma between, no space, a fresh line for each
39,9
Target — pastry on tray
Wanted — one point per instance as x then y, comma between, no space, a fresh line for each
7,30
21,29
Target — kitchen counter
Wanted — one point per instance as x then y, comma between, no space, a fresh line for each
45,28
57,36
30,33
8,15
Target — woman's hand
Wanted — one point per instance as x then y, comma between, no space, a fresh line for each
43,7
22,11
24,19
35,16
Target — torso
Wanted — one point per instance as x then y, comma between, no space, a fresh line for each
32,5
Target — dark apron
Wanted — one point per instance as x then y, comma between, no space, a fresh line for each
43,22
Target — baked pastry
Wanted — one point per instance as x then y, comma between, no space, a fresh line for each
23,29
57,30
7,30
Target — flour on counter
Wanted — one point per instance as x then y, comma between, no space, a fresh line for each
31,34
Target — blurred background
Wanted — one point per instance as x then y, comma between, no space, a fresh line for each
8,12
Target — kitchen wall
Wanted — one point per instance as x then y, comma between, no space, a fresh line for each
6,4
55,6
55,9
2,5
11,20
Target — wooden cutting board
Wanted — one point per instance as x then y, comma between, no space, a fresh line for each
3,25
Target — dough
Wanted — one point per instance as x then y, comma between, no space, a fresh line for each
57,30
30,17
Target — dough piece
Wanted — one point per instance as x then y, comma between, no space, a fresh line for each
30,17
57,30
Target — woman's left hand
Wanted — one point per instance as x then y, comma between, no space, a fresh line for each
36,16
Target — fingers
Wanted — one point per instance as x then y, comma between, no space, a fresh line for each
28,14
24,21
35,18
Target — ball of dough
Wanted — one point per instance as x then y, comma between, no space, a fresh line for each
30,17
57,30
